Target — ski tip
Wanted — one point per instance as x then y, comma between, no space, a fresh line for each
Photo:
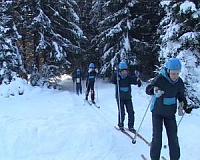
117,128
96,105
163,158
143,157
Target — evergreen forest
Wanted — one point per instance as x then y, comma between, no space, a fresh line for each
43,39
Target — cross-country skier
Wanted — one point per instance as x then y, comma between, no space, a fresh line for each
166,89
90,80
123,82
77,78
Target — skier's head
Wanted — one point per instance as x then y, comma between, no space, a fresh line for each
123,66
123,69
91,65
173,64
137,73
78,70
173,68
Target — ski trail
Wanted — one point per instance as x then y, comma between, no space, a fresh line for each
35,133
48,124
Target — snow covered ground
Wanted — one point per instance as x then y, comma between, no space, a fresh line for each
45,124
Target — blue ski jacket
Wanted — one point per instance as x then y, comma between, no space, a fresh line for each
91,76
166,104
124,85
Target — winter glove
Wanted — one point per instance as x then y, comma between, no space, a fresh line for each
180,109
158,92
96,70
187,108
90,70
139,83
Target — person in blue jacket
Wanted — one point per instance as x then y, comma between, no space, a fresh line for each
77,78
90,80
123,82
166,89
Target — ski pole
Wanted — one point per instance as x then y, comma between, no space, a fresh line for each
119,101
134,139
165,146
118,91
97,90
181,119
184,114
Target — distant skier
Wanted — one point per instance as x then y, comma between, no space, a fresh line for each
123,82
90,80
166,89
137,74
77,78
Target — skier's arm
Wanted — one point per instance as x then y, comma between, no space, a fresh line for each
135,80
150,87
114,78
96,70
181,95
182,98
96,73
139,83
87,79
73,76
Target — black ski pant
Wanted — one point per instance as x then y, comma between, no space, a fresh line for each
171,130
121,112
90,86
78,88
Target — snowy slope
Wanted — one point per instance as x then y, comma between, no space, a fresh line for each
48,124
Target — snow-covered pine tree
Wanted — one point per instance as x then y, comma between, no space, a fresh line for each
128,29
89,30
11,64
114,28
146,15
180,37
23,18
55,34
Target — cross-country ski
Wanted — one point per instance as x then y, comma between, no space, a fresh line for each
95,104
124,132
140,136
87,102
92,103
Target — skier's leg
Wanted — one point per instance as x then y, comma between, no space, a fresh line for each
156,143
171,129
87,91
92,92
80,87
131,118
77,88
121,115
